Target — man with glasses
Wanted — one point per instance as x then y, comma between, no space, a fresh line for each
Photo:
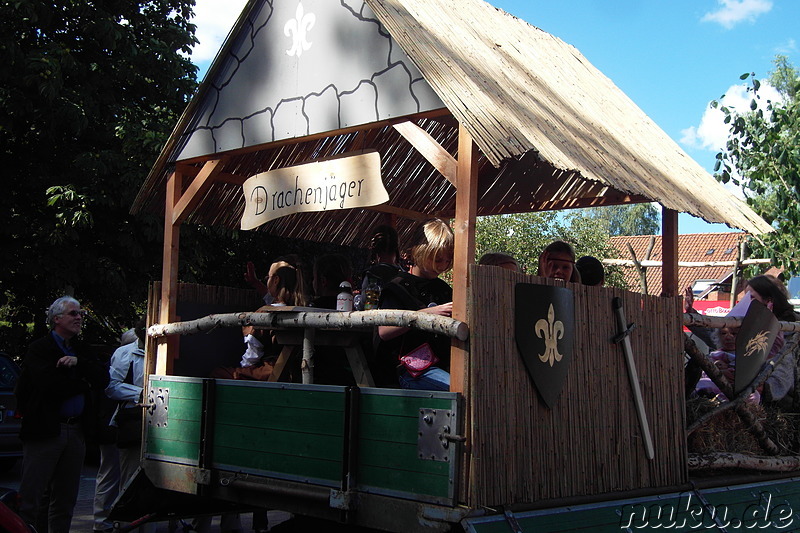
54,396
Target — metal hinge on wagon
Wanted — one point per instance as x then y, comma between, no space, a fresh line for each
157,406
437,434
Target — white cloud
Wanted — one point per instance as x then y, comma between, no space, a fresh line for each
787,48
712,132
214,19
734,11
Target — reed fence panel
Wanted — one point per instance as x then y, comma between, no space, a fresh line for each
590,443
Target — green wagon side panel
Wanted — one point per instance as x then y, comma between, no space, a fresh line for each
402,456
179,439
322,398
400,404
640,514
405,482
317,420
388,456
768,506
282,466
285,442
765,506
187,389
289,433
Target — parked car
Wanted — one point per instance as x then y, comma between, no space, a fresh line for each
10,445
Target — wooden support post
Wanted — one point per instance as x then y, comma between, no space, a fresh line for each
464,253
669,252
166,350
639,268
737,267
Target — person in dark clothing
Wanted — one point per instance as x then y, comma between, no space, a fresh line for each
330,270
591,270
54,395
384,258
330,362
424,358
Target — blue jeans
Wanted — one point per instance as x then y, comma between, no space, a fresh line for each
433,379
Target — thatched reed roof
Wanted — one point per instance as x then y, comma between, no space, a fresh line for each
554,133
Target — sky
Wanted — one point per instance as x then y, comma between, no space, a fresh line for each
671,57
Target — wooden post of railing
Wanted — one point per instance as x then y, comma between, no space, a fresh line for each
736,270
464,253
169,279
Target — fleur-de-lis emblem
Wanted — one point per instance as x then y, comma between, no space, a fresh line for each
298,29
550,330
756,344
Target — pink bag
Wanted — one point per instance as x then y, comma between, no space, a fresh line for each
418,360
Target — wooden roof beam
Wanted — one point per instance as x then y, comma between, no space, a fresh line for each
199,186
399,211
595,201
224,177
431,150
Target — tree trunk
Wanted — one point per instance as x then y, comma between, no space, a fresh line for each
714,461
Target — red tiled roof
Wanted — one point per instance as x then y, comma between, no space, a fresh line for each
694,247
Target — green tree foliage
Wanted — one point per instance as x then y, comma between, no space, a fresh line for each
762,156
630,219
89,92
525,235
784,77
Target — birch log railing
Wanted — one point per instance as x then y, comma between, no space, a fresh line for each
322,319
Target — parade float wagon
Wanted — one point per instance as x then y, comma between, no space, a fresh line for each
319,120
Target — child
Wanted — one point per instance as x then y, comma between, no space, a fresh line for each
557,261
725,360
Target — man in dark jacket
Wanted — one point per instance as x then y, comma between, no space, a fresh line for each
54,395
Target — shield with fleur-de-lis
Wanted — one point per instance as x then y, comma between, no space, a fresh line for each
544,326
753,343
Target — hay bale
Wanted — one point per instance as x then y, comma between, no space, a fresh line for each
727,433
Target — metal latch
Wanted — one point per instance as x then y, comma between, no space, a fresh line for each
343,500
202,476
157,407
434,437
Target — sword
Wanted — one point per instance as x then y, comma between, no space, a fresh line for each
623,338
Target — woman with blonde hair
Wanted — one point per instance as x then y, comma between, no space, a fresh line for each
418,360
285,282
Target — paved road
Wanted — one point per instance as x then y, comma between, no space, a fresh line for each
82,520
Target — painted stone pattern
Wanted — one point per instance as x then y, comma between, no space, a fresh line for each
299,68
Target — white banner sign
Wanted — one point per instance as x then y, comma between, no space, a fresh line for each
341,182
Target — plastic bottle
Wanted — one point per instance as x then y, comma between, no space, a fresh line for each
358,301
344,300
372,294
